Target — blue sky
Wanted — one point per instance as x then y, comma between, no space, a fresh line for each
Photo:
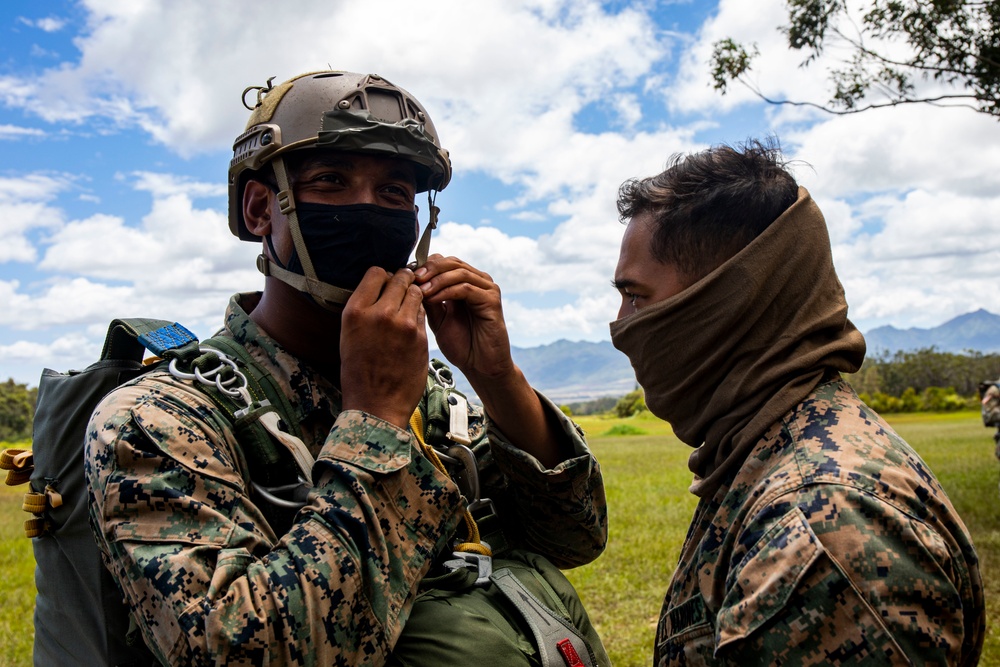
117,120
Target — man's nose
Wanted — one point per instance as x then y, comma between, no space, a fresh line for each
366,194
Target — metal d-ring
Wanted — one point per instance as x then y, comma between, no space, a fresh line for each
213,377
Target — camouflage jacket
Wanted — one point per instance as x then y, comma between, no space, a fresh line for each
209,580
833,545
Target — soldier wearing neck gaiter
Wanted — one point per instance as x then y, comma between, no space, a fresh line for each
821,537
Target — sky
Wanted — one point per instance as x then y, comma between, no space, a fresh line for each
117,121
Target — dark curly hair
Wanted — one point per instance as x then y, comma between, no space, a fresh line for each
707,206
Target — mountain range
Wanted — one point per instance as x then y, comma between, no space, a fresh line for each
979,330
568,372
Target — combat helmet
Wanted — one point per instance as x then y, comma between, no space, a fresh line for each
362,113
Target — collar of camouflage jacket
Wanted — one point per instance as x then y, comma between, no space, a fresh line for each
727,357
315,400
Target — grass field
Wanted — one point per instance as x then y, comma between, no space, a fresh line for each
646,477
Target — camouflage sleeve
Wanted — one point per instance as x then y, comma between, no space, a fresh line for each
208,580
561,512
839,577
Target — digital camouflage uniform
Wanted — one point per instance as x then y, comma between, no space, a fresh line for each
833,545
213,583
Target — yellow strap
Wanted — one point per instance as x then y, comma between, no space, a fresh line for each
16,477
35,527
474,545
34,502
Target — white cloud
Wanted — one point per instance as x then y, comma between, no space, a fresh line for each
73,301
584,319
955,150
14,132
26,207
459,56
177,249
166,185
926,257
48,24
748,23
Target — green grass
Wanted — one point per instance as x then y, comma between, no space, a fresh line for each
646,479
624,429
17,601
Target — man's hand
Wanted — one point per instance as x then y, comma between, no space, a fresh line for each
466,316
383,346
464,311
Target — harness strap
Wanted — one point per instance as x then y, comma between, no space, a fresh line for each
269,395
424,244
473,544
559,643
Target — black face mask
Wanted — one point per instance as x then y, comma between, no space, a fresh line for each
345,241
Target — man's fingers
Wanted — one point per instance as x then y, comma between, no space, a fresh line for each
380,287
413,305
370,287
471,294
396,289
453,267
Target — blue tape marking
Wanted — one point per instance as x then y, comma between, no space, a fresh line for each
166,338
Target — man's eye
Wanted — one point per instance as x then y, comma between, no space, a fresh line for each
396,191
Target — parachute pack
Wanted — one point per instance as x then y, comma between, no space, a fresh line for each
81,617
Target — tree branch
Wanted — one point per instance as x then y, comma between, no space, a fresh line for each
933,101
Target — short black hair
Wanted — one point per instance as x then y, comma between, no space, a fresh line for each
707,206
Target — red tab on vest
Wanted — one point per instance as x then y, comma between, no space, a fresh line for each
569,653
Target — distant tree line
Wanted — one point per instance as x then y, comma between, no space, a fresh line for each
17,409
596,406
620,406
895,373
924,380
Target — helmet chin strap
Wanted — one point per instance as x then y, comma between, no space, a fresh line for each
326,295
424,244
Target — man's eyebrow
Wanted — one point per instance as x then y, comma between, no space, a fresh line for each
332,161
622,284
344,162
402,175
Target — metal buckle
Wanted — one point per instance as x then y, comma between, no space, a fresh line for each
466,475
446,382
482,565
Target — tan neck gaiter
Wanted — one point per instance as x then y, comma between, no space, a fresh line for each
729,356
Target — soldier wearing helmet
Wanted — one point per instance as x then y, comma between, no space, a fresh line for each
325,177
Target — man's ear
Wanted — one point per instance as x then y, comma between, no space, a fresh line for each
257,208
